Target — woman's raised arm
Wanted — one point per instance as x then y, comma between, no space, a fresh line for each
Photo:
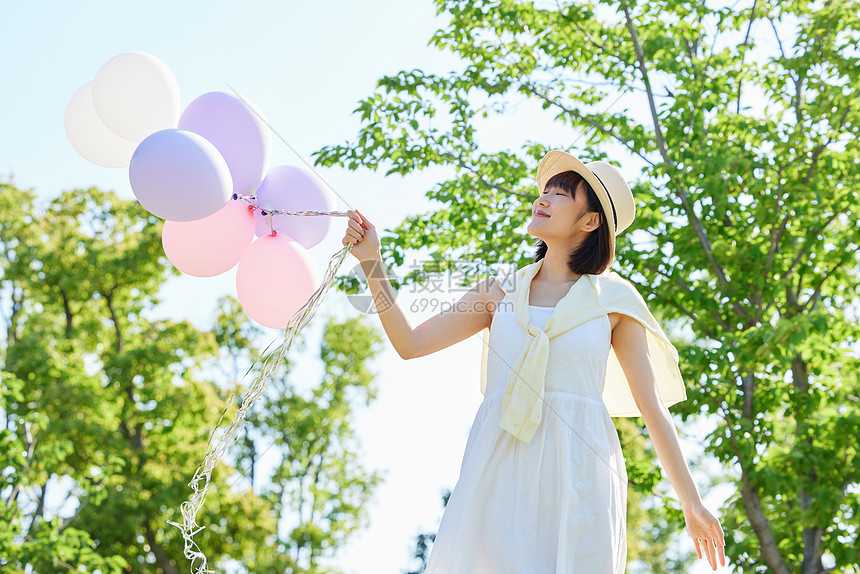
458,321
454,323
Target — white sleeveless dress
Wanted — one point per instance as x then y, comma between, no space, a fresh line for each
558,504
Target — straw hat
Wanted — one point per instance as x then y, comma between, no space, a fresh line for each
605,179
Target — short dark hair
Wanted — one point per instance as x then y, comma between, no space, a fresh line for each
593,255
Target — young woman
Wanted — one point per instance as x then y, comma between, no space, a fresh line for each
542,487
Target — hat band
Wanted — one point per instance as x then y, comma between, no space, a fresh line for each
612,203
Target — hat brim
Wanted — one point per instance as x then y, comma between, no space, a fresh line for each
556,162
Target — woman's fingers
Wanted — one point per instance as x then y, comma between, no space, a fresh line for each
353,216
354,229
707,547
365,223
356,223
712,555
353,234
360,219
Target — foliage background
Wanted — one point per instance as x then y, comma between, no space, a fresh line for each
770,123
745,225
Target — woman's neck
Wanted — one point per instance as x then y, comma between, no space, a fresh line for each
554,269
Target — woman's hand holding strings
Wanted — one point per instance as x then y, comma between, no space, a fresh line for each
362,234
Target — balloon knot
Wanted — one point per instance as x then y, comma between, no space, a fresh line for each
235,196
274,232
263,212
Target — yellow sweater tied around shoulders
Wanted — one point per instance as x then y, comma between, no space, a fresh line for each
590,297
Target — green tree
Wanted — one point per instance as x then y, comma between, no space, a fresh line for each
96,391
113,400
746,201
318,490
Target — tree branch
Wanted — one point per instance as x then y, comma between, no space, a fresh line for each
752,504
67,309
108,297
664,152
456,159
816,295
806,245
744,53
31,446
69,520
600,46
40,504
776,35
640,58
587,120
12,323
688,289
162,560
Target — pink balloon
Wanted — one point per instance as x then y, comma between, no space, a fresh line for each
212,245
276,277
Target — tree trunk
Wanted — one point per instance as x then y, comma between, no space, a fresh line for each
812,535
161,559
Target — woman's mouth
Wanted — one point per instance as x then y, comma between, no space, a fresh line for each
539,214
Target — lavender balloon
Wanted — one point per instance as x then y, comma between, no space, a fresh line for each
178,175
239,132
295,188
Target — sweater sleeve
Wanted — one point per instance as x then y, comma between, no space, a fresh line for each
506,282
617,295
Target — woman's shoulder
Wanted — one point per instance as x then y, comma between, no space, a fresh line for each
620,297
612,282
494,288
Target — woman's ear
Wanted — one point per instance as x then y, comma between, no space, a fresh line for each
593,221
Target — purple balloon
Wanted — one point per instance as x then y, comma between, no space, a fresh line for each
178,175
238,131
295,188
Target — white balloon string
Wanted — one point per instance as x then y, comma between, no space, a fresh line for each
252,201
200,482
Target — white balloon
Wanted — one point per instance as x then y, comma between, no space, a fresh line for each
90,137
135,94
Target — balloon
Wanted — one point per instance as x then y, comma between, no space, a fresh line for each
136,94
237,130
180,176
212,245
275,278
90,137
295,188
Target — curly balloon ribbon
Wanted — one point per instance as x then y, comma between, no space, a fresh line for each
202,477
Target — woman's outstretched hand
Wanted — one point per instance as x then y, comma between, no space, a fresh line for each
362,234
706,532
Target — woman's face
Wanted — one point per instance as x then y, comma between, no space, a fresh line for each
567,223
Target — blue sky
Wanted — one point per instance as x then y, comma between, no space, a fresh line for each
305,65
